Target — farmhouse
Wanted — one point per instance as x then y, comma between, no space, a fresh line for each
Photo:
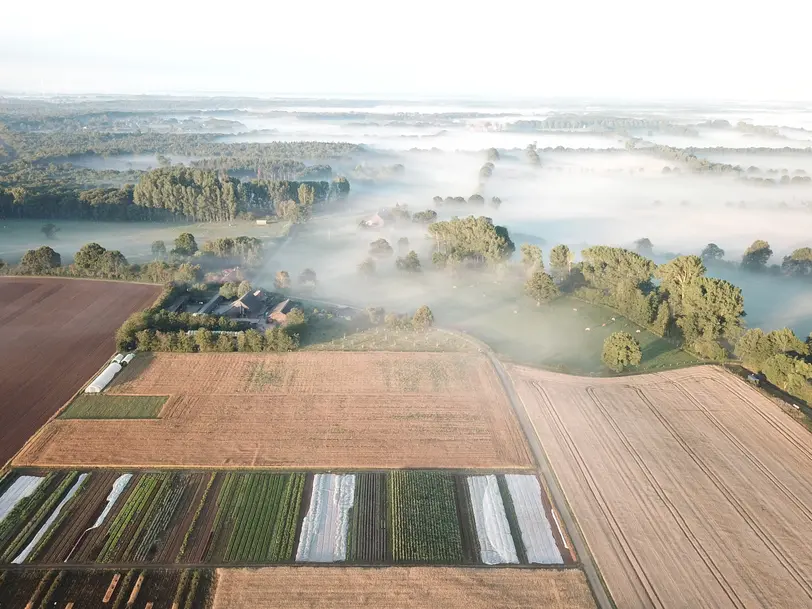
279,314
249,305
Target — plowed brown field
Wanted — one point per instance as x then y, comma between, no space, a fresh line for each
401,588
300,410
54,334
691,488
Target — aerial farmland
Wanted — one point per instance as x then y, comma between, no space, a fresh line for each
692,488
298,410
54,334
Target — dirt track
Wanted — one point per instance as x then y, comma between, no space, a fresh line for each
691,488
54,334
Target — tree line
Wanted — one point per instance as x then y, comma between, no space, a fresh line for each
169,193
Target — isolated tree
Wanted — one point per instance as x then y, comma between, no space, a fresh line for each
541,287
532,155
367,267
798,263
89,256
403,245
756,256
228,290
409,263
677,275
644,247
476,199
712,253
40,261
423,319
307,277
380,248
185,245
425,217
49,230
244,288
282,280
560,261
621,350
493,154
496,202
158,250
532,257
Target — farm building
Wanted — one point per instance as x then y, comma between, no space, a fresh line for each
279,314
210,305
378,220
249,305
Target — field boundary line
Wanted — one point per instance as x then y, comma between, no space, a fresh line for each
675,513
771,544
557,495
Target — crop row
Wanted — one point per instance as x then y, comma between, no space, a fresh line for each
413,517
182,589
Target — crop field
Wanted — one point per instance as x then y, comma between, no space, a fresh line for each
98,589
691,488
106,517
401,588
299,410
55,333
104,406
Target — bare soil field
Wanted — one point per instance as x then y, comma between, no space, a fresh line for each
312,410
401,588
692,489
54,334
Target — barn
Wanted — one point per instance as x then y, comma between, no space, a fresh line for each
279,314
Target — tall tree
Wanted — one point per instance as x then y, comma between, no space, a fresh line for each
621,350
644,247
541,287
423,318
409,263
49,230
677,275
712,309
798,263
712,253
185,245
282,280
158,250
560,262
40,261
89,257
756,256
532,257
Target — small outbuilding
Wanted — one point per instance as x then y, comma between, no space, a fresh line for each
279,314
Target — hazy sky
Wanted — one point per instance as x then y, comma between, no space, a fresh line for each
706,49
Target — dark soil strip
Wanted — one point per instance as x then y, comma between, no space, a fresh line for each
465,513
202,532
182,520
510,512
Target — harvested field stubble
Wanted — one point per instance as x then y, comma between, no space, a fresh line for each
55,333
401,588
300,410
692,489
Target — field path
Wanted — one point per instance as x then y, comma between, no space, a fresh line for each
559,500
